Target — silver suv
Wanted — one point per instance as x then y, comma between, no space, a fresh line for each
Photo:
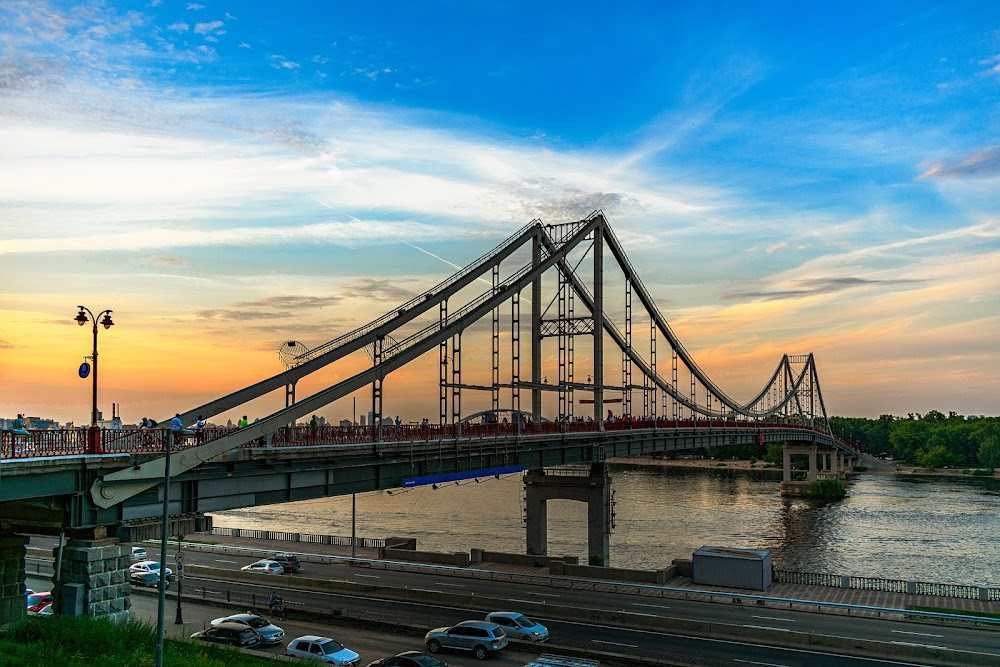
480,637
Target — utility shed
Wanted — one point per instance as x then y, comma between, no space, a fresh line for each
733,568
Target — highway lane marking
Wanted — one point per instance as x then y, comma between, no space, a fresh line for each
522,601
765,627
774,618
598,641
766,664
940,648
651,606
425,590
368,576
225,561
921,634
548,595
455,585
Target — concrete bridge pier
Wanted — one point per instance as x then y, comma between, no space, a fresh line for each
594,488
12,551
797,487
95,578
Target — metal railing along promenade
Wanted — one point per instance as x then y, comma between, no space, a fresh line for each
81,441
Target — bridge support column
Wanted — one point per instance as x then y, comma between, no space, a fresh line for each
594,489
797,487
100,569
12,606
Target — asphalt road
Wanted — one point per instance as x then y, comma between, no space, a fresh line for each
774,617
589,637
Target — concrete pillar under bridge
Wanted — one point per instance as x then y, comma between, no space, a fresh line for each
12,550
824,463
593,488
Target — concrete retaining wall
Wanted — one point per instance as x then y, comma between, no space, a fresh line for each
481,555
455,559
560,569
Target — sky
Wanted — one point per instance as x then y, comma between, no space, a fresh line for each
785,177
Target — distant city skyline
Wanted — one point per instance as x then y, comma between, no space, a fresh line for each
227,177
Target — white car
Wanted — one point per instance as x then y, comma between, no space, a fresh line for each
323,649
138,553
266,566
519,626
149,566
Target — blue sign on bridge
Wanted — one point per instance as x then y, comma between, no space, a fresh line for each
457,476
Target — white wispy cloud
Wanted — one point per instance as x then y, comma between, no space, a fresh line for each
207,27
179,26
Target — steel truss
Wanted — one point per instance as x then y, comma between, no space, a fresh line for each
792,392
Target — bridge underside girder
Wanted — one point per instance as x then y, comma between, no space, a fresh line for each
261,475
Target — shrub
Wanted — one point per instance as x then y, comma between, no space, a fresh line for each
827,489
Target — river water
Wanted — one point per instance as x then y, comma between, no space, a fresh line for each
895,527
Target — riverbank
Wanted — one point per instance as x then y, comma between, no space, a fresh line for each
885,467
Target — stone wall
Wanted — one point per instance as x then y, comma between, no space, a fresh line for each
12,550
101,567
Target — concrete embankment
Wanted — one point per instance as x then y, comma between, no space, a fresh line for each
847,645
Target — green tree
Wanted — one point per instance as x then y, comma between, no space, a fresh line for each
936,456
987,433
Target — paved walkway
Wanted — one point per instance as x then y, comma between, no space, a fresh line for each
777,590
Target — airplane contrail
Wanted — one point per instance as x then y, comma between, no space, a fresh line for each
415,247
333,209
438,257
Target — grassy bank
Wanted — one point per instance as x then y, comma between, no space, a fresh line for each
85,642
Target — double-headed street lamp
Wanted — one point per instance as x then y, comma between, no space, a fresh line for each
81,319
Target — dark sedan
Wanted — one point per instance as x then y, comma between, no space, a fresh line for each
409,659
233,634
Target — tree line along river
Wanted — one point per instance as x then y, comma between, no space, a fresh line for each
890,526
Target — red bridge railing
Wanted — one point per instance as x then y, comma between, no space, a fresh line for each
68,442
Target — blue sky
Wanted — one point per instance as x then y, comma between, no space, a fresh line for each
790,177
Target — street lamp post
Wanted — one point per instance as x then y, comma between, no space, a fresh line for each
81,319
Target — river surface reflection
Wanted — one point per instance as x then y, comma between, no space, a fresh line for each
923,528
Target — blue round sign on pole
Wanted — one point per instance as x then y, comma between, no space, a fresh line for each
84,369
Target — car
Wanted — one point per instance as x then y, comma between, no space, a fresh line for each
323,649
409,659
288,561
269,633
38,600
266,566
138,553
480,637
150,579
150,566
519,626
234,634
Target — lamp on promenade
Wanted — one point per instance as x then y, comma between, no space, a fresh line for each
81,319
